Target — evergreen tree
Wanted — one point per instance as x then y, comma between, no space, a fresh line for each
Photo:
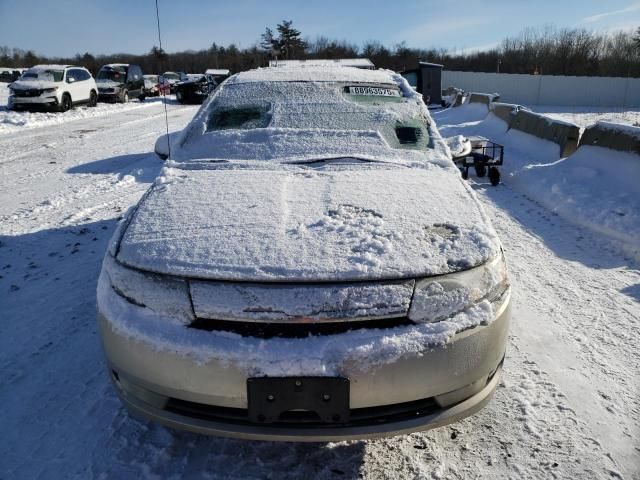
268,42
289,40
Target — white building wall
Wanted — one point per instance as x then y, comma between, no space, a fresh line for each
549,89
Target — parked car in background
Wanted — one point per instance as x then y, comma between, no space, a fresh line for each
155,85
173,78
311,267
195,89
218,74
119,82
8,75
58,87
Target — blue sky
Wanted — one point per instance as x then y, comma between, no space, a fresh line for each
67,27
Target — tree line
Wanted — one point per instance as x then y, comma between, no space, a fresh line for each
548,50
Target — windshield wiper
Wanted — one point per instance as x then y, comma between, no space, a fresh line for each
345,158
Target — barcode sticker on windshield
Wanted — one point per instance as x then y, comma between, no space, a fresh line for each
374,91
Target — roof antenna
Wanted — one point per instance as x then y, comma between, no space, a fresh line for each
166,116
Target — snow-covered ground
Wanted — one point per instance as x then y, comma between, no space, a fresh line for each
595,187
11,121
584,116
567,406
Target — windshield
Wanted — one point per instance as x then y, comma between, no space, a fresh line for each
298,120
151,78
305,106
115,75
43,75
171,76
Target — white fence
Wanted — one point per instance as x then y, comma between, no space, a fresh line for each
550,90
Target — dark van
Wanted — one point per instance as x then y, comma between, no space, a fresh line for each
118,82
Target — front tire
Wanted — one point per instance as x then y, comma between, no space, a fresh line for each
125,97
93,98
65,103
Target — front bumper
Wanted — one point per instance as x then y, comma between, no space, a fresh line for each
441,385
33,101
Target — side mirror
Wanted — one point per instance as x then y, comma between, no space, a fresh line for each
165,144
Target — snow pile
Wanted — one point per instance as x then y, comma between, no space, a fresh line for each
468,112
11,121
584,116
595,187
359,350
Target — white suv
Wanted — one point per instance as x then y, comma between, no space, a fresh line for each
53,86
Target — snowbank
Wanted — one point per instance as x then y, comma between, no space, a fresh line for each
11,121
584,116
595,187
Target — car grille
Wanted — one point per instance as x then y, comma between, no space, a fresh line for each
358,416
105,90
294,330
27,93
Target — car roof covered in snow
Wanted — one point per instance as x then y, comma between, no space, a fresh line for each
40,68
217,71
325,62
314,74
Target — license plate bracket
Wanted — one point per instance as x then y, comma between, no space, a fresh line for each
270,397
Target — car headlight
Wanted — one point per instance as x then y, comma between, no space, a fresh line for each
438,298
50,90
167,296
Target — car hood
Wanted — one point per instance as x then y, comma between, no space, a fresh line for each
108,84
33,84
298,223
191,82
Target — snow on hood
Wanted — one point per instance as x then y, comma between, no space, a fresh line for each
105,83
31,84
295,223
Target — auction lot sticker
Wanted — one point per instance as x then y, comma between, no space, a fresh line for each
374,91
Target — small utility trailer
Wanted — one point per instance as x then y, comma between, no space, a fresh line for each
480,153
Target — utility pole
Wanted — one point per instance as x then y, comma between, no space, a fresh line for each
498,66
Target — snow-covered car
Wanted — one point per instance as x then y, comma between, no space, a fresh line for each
58,87
8,75
155,85
195,89
118,82
308,266
174,77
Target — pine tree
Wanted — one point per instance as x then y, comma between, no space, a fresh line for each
289,40
268,42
